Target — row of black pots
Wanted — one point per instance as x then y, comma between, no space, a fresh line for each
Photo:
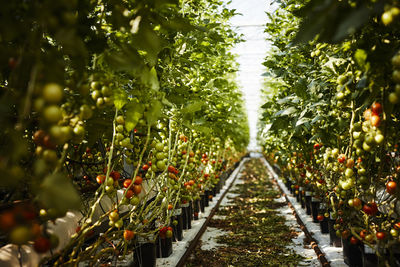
146,252
354,255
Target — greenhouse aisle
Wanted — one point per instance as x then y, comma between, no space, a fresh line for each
253,227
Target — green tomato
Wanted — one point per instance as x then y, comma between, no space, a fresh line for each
52,114
52,93
159,147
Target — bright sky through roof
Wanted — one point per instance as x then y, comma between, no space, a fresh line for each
251,55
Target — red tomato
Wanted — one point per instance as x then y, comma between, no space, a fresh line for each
375,120
342,158
100,178
363,234
320,217
370,208
380,235
391,187
145,167
115,175
41,244
376,108
129,235
357,202
129,194
138,180
170,207
353,240
137,189
317,146
127,183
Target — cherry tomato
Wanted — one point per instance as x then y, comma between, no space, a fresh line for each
41,244
129,235
380,235
391,187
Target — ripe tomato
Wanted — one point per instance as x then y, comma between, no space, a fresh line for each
145,167
170,207
191,182
370,208
376,108
115,175
127,183
100,178
375,120
357,202
138,180
397,225
129,235
7,220
317,146
320,217
350,163
129,194
137,189
41,244
345,234
380,235
342,158
363,233
353,240
391,187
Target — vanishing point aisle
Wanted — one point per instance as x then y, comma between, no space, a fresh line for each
253,227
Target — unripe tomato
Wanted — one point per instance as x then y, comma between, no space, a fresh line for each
394,232
52,93
20,235
52,114
114,216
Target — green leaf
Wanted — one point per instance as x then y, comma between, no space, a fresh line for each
361,57
57,192
193,107
134,112
150,79
120,98
154,112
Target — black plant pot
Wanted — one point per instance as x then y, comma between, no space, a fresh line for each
324,226
177,229
189,212
333,238
202,202
369,257
308,204
166,247
314,210
297,194
214,191
196,209
184,219
145,255
352,254
302,199
206,199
